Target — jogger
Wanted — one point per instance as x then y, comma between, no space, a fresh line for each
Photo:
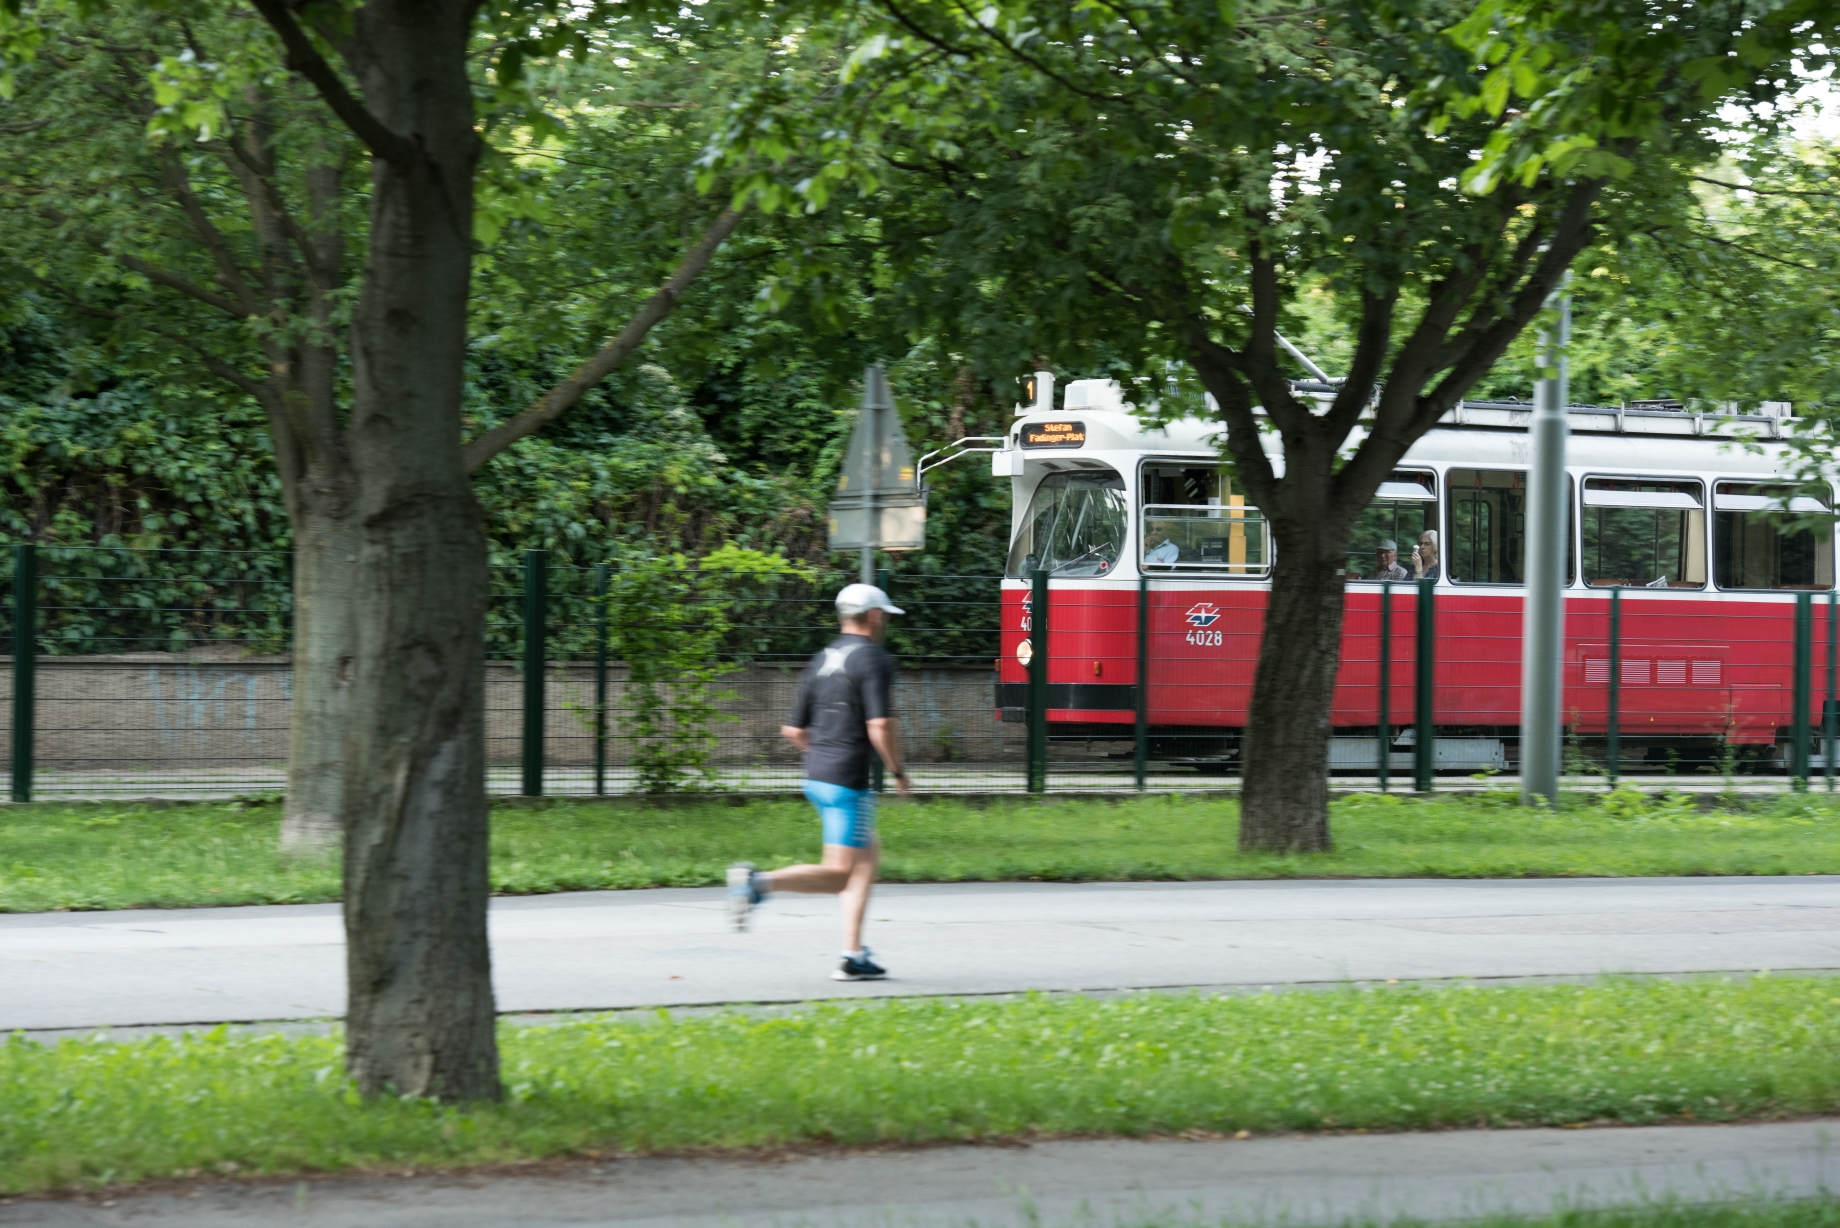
840,720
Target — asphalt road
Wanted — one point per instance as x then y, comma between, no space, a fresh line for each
607,950
1117,1182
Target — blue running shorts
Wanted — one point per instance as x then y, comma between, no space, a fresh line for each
848,814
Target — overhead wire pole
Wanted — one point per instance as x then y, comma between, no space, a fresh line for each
1833,678
875,391
1543,618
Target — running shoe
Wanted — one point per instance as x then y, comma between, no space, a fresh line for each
864,969
742,895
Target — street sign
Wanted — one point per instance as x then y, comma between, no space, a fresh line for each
878,505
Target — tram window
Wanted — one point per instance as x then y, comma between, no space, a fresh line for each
1749,551
1644,533
1195,521
1487,541
1403,510
1076,526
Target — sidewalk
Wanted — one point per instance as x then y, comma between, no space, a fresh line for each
673,947
1291,1181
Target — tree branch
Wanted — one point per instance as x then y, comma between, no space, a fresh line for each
217,366
1218,368
1259,359
1753,188
184,285
303,57
551,405
1371,340
207,233
1570,233
259,190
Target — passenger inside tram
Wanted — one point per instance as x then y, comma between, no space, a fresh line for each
1404,508
1386,559
1425,556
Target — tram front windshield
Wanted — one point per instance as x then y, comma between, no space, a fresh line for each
1075,526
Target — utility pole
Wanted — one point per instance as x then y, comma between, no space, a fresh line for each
1543,618
877,405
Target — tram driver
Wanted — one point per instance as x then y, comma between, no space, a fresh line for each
1387,556
1158,549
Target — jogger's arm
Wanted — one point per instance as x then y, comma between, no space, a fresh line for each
885,736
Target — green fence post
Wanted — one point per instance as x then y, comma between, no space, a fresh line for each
1828,713
536,584
1804,653
1424,740
1140,732
1038,682
25,665
600,680
1384,734
1613,736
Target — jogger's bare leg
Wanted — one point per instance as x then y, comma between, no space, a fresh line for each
855,897
830,877
847,873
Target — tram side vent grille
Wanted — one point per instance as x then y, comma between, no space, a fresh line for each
1667,673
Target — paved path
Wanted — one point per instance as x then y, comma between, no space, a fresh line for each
605,950
1293,1181
206,783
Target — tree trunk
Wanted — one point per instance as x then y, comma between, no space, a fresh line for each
421,1016
325,549
1284,795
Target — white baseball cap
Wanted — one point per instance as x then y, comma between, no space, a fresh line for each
857,599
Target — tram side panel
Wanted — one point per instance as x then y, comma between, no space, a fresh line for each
1700,665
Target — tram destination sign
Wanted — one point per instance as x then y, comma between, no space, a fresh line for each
1054,435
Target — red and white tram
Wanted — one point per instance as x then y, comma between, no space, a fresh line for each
1670,506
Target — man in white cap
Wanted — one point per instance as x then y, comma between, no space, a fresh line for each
840,720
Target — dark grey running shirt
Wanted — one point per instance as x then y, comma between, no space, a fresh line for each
845,685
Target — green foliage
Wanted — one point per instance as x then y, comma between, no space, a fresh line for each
670,623
725,428
89,1112
124,856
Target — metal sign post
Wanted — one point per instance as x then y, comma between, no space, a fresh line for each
1543,620
878,504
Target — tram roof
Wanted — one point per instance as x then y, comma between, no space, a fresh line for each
1475,431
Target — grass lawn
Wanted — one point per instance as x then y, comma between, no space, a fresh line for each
92,856
1814,1213
87,1111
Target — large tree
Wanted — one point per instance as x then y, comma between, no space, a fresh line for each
243,211
1171,179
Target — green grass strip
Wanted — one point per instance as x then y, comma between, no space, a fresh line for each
1648,1213
911,1071
91,857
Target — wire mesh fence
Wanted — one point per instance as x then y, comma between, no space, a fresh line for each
167,673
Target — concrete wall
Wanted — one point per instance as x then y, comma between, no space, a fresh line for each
166,710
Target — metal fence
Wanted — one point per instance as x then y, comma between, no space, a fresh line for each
166,673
